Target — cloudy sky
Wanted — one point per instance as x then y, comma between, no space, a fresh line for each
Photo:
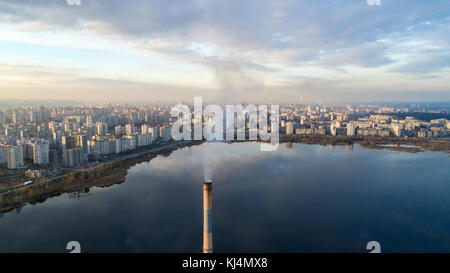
226,50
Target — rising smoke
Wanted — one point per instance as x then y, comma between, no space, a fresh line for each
237,82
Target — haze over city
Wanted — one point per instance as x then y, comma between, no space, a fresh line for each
229,51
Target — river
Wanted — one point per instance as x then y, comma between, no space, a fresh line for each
299,198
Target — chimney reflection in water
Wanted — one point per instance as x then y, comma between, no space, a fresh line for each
207,217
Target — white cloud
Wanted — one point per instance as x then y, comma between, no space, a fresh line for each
373,2
73,2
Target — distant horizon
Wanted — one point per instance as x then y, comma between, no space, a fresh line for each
90,102
18,103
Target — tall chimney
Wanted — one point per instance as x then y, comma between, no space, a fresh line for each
207,217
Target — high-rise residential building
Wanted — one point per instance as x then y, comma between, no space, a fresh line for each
289,128
41,151
166,133
125,145
105,147
94,148
57,139
33,116
73,157
129,129
133,141
88,120
102,128
117,146
333,131
69,157
27,148
67,127
2,117
81,141
144,139
397,129
3,154
15,157
144,129
351,129
118,130
42,113
154,132
68,142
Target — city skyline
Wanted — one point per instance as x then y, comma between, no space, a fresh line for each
282,52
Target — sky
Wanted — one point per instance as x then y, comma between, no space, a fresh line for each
278,51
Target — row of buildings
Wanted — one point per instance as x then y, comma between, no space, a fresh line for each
74,135
322,121
76,149
35,150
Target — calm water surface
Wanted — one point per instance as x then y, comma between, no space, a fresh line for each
301,198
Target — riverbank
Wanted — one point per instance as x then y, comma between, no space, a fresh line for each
114,172
411,145
103,175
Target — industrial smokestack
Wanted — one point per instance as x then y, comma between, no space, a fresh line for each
207,217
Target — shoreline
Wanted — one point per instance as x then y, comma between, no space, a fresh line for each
103,175
111,173
420,144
